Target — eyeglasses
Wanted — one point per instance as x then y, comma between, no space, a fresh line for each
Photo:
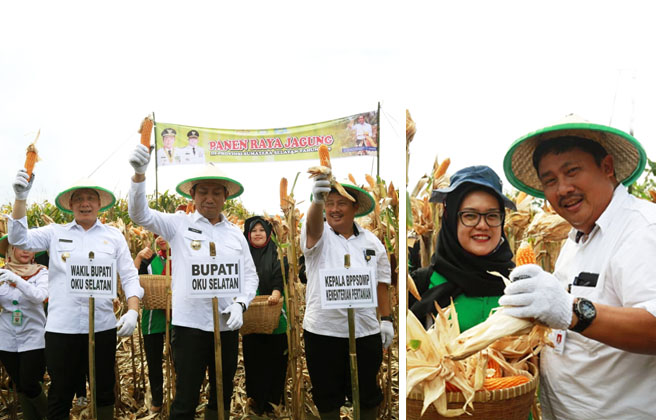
472,218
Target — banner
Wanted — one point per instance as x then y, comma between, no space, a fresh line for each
355,135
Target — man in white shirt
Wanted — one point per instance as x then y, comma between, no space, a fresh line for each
192,153
200,234
167,155
362,129
67,326
325,245
601,299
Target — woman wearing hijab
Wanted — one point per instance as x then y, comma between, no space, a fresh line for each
23,288
471,243
265,355
153,322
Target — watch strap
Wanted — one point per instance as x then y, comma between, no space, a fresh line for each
583,321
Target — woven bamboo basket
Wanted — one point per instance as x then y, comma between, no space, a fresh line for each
260,317
156,290
502,404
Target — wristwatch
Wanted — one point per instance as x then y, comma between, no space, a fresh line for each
387,318
585,312
243,307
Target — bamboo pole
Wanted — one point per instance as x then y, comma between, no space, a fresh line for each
141,358
170,375
136,392
217,358
355,386
93,413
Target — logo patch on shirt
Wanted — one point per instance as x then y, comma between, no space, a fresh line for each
68,241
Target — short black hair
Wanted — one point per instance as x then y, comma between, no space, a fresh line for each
564,144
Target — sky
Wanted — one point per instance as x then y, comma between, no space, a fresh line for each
86,74
496,71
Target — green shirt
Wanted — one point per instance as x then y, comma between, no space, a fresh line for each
154,321
472,310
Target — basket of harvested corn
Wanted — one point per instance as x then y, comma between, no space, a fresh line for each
511,403
156,290
260,317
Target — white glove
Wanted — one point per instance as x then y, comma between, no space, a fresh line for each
139,159
8,276
236,319
320,188
22,184
127,323
537,294
386,333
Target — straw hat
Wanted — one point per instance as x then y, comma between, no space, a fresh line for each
210,172
107,199
628,155
363,199
4,244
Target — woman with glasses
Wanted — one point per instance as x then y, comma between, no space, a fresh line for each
471,243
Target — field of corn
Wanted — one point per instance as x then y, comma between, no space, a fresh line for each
434,363
132,395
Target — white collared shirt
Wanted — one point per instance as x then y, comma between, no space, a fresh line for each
329,252
591,380
68,314
362,130
27,297
180,230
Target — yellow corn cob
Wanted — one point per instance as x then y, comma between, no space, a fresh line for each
145,129
283,193
525,254
370,181
31,156
652,194
324,156
441,170
352,179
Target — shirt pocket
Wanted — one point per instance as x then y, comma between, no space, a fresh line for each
65,249
106,251
195,244
231,248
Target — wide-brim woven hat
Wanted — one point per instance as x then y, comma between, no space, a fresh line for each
63,200
4,244
628,155
364,200
210,172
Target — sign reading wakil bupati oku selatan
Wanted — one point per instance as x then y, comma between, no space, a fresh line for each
355,135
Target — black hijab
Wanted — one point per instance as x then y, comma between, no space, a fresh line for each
265,257
464,272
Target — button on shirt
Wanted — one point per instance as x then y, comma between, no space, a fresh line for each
68,314
328,253
27,297
591,380
180,230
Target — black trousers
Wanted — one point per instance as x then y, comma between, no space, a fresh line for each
154,346
67,358
265,363
328,364
26,370
193,354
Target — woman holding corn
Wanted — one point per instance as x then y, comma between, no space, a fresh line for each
23,288
265,355
471,243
